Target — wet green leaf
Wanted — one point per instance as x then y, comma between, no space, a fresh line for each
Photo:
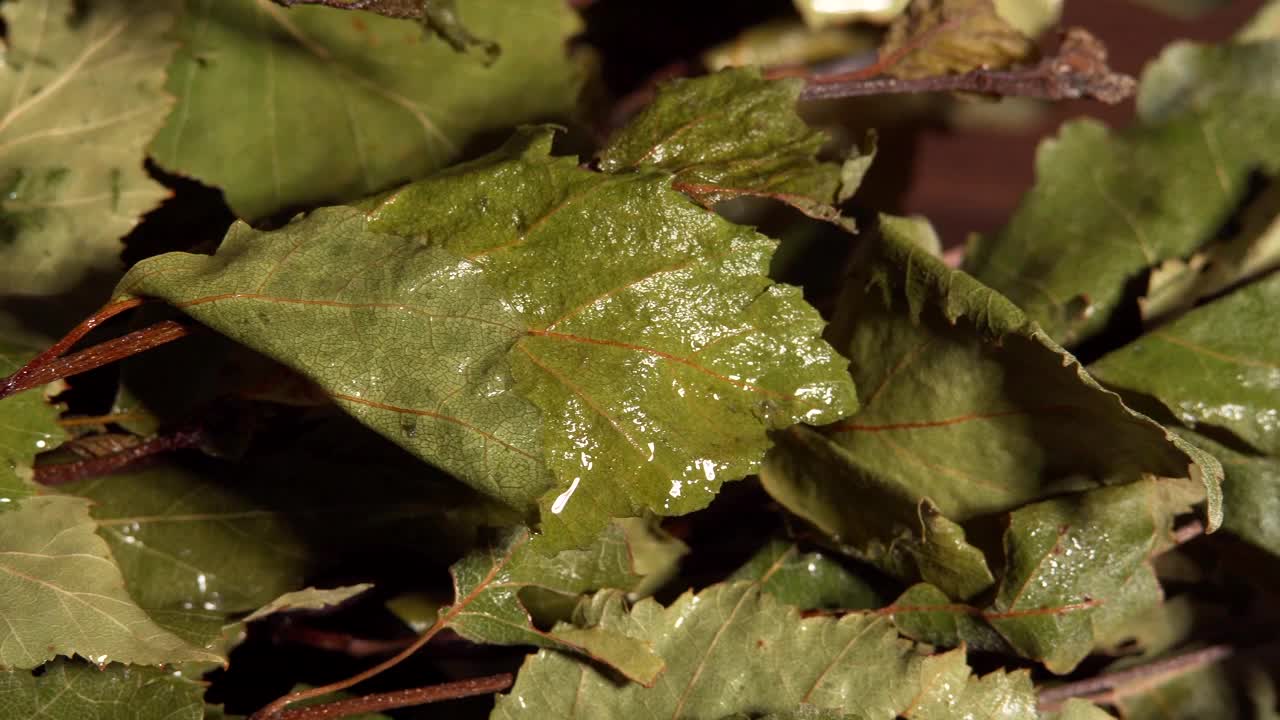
733,648
734,134
1107,206
61,593
937,37
1212,367
809,581
1071,562
66,689
82,89
28,427
970,410
1076,576
643,385
287,108
488,606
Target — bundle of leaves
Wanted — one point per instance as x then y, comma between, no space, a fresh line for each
403,395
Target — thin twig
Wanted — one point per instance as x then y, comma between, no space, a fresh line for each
1124,683
401,698
63,473
1079,70
277,706
402,9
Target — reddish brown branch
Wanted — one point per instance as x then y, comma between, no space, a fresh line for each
1116,685
1078,70
63,473
47,366
399,698
338,642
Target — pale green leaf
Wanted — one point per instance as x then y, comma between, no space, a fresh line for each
1213,367
288,108
937,37
1177,285
82,88
734,649
28,427
308,599
1107,206
1030,17
734,134
644,384
61,593
65,690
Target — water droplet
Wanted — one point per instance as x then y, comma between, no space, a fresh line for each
563,498
409,426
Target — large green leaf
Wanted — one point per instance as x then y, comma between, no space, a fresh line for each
1076,575
1106,206
972,409
734,649
65,690
288,108
1217,366
644,384
61,593
735,134
28,427
82,89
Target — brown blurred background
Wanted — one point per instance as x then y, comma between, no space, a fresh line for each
970,180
